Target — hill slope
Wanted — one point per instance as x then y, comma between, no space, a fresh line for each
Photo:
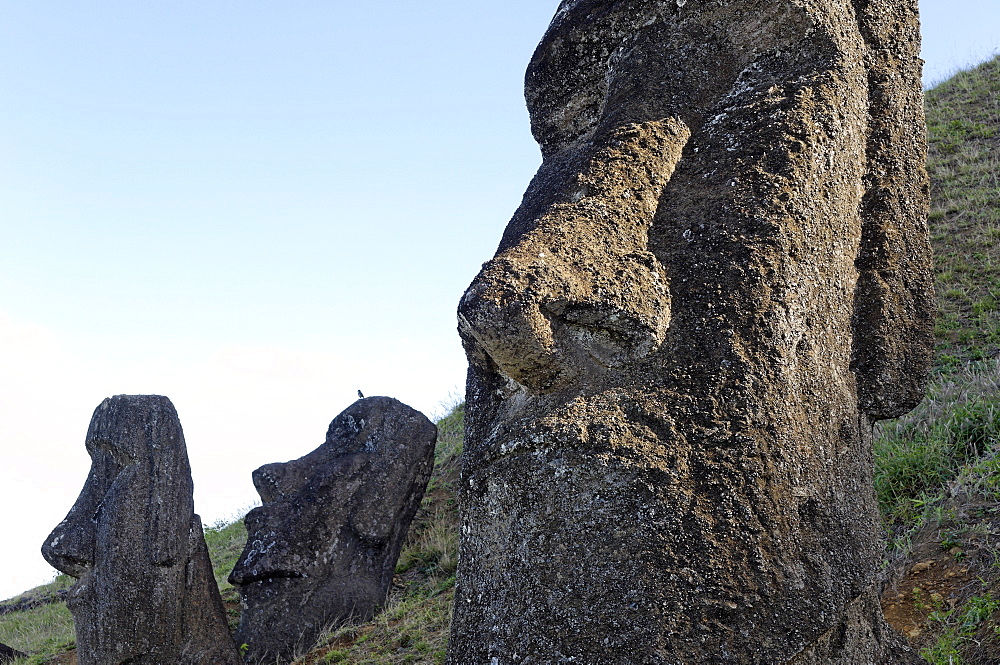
963,122
937,470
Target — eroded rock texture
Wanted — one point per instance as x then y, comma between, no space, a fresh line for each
718,279
145,593
322,548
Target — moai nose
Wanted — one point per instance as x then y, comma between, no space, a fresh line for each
70,548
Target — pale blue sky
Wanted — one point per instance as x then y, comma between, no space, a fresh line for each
229,171
256,209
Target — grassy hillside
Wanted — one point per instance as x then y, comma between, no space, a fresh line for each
963,121
937,473
43,631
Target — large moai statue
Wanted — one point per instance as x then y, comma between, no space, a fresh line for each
145,593
322,548
716,282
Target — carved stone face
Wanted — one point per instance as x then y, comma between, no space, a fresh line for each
573,291
718,273
323,546
298,533
126,538
580,287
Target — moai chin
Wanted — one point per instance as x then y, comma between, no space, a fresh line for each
718,279
145,593
322,549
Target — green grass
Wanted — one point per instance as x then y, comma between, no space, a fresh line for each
919,455
959,629
413,628
937,469
957,427
963,124
41,632
225,543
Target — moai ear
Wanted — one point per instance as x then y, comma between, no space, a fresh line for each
894,299
375,518
167,538
405,459
170,499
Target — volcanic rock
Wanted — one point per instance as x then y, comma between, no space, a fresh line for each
322,548
145,593
8,655
717,281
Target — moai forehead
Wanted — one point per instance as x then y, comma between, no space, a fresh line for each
606,63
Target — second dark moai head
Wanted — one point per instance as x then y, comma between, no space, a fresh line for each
322,548
145,593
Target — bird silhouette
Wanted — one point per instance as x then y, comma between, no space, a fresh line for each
361,394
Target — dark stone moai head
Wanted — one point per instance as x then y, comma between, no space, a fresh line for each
718,277
323,547
145,591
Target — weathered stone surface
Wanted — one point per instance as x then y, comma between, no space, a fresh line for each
8,655
146,594
322,548
717,280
